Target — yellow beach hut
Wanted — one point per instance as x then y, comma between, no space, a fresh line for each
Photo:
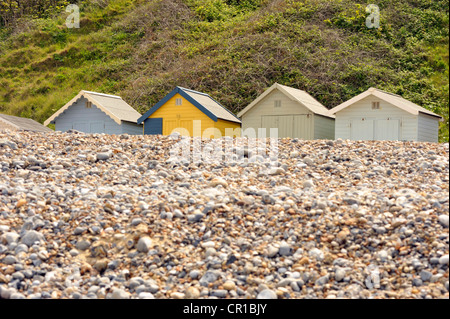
190,113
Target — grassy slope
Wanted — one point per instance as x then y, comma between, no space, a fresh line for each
230,49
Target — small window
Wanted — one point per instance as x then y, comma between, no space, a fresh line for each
375,105
277,103
178,102
89,105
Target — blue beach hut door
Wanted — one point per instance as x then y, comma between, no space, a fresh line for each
153,126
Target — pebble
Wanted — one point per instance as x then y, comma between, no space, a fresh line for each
417,282
177,295
315,222
10,144
276,171
285,249
119,294
383,255
144,244
220,293
9,260
339,274
229,285
208,277
308,184
194,274
83,245
103,156
267,294
218,181
79,230
146,295
192,293
443,219
322,280
12,237
21,202
272,251
425,275
31,237
316,254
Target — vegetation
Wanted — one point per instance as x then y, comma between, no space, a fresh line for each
141,49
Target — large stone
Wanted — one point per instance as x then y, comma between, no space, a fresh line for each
218,181
104,156
316,254
339,274
208,277
144,244
267,294
30,237
443,260
443,219
285,249
192,293
120,294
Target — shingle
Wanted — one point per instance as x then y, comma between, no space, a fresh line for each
392,98
307,100
116,106
212,105
112,105
25,124
404,103
301,97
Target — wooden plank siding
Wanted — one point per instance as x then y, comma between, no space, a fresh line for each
362,111
290,118
266,107
323,127
78,116
92,120
131,128
187,119
428,128
228,128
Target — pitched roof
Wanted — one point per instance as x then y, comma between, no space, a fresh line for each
205,103
112,105
25,124
391,98
299,96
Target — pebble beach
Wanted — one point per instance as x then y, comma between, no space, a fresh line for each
113,217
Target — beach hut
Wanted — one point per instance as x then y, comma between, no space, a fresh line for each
190,113
379,115
16,123
293,112
92,112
